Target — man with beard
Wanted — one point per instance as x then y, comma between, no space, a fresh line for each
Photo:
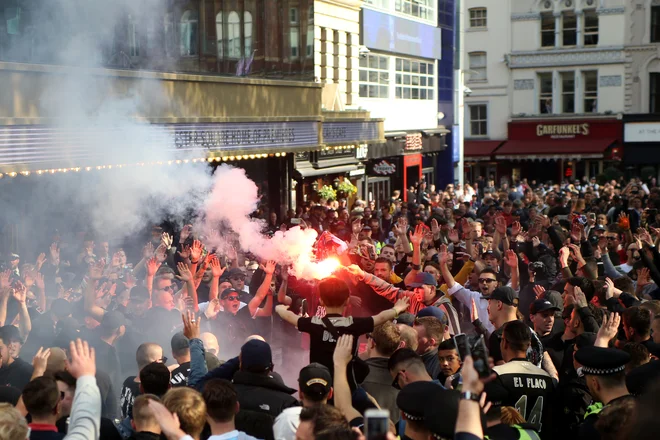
236,322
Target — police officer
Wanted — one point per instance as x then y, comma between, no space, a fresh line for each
412,400
604,372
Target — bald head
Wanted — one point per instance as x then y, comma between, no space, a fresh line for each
147,353
409,337
253,337
56,361
210,343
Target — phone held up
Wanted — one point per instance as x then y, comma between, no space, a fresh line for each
478,351
377,424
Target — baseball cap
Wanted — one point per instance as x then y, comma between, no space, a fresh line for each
315,380
179,342
541,305
139,293
600,228
225,293
113,320
256,356
505,294
424,278
406,318
490,253
435,312
235,272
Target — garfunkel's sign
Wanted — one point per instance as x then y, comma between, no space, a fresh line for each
562,130
384,168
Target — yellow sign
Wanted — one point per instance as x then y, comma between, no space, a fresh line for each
563,130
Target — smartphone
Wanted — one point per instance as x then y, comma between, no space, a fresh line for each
377,424
480,357
592,216
295,221
462,345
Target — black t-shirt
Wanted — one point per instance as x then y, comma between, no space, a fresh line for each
527,388
16,375
322,343
233,329
129,391
180,375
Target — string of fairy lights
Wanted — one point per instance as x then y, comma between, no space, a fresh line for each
216,159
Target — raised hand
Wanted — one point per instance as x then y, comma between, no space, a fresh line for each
400,227
418,236
184,252
190,325
608,329
166,240
40,362
41,259
535,241
343,350
466,227
474,312
231,253
54,251
131,281
213,309
169,422
580,298
152,266
435,228
161,253
184,272
216,269
269,267
20,292
576,252
443,255
609,293
500,225
196,251
95,271
453,235
577,230
39,281
564,252
356,226
148,250
83,359
644,236
402,305
643,277
4,279
511,259
353,270
538,291
624,221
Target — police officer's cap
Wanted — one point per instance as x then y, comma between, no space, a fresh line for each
598,361
414,398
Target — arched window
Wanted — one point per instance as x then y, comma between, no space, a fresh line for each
310,32
233,35
133,38
218,33
294,32
188,33
247,26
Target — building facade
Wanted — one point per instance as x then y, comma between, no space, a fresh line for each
400,60
550,86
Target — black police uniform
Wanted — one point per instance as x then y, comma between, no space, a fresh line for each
598,361
412,400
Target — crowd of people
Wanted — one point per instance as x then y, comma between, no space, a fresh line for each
517,311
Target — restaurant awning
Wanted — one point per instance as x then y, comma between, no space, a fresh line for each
554,149
480,150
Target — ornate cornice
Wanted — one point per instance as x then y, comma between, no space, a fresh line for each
529,16
567,57
611,11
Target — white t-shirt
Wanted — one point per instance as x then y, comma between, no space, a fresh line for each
286,424
232,435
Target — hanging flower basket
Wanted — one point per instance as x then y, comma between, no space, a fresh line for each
347,187
327,192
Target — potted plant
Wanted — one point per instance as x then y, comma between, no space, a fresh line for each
347,188
327,192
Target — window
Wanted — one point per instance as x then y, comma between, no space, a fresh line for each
423,9
478,17
569,29
590,28
233,35
188,30
545,93
133,38
218,31
590,81
547,30
294,32
247,33
655,24
385,4
478,120
567,92
654,101
478,66
309,51
375,76
414,79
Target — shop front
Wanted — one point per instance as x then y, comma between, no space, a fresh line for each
337,169
479,159
553,150
641,147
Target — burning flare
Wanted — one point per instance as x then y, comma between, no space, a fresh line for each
324,269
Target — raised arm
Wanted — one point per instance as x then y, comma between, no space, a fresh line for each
511,260
342,392
287,314
416,240
282,297
24,323
390,314
94,274
263,292
186,275
443,256
217,271
85,420
152,268
381,287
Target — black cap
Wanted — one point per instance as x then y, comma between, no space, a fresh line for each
413,399
600,228
113,320
234,272
541,305
10,333
315,380
505,294
586,339
490,253
225,293
598,361
179,342
406,318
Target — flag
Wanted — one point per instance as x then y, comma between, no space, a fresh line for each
248,64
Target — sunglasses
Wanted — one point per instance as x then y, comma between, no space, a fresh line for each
232,298
395,382
162,360
486,280
170,288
